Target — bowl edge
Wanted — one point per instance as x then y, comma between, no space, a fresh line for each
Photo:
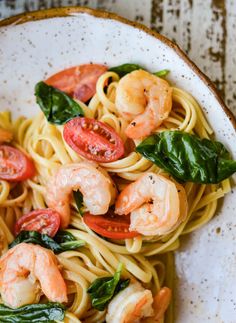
67,11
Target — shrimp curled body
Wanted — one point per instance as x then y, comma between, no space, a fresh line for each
27,270
156,204
94,183
160,304
136,304
130,305
144,99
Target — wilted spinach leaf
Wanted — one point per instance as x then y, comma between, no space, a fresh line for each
57,106
124,69
187,157
162,73
62,241
49,312
102,290
79,201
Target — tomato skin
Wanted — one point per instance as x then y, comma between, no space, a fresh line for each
93,140
110,225
45,221
78,81
15,166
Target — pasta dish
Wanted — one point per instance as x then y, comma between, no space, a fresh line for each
96,192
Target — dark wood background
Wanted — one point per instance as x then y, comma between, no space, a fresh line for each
205,29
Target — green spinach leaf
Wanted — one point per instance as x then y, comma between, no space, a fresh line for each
57,106
67,241
187,157
79,201
27,237
124,69
162,73
49,312
102,290
62,241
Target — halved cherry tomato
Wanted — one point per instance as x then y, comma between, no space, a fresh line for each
46,221
14,165
78,81
110,225
93,140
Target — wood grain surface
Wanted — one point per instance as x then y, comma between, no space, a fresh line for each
204,29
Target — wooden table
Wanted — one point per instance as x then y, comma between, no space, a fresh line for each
205,29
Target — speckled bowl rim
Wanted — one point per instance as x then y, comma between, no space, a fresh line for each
67,11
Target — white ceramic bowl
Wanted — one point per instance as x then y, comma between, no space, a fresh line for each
38,44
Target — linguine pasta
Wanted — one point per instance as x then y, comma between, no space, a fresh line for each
147,259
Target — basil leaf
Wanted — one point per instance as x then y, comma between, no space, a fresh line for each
62,241
49,312
102,290
162,73
187,157
79,201
124,69
57,106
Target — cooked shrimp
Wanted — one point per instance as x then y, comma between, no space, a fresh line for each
130,305
27,270
161,302
160,305
144,99
96,186
156,204
5,135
